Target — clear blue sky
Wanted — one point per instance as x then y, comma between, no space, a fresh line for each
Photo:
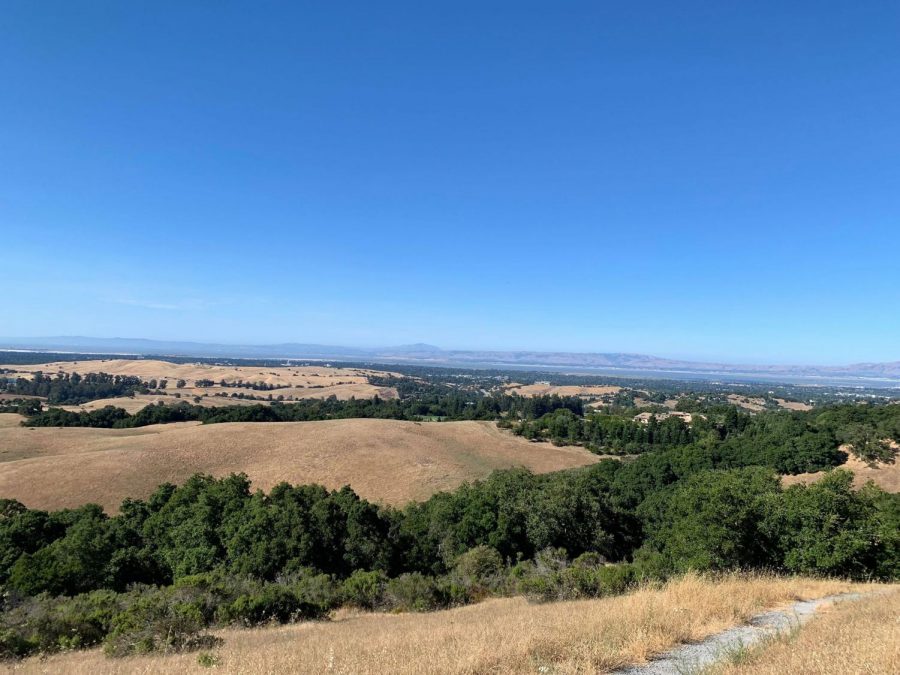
709,179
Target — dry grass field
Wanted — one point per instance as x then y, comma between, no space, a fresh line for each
758,404
190,372
848,637
293,381
14,397
10,420
383,460
640,401
746,402
591,391
496,636
793,405
887,476
133,404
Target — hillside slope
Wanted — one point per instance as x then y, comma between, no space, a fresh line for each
884,475
383,460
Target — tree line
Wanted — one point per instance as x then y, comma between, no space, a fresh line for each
788,441
608,433
75,389
454,406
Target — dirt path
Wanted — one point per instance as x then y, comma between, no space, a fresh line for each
694,658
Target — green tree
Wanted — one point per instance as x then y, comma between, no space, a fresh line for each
828,528
710,520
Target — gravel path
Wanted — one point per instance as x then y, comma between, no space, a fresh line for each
693,658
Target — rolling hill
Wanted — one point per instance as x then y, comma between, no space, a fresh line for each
383,460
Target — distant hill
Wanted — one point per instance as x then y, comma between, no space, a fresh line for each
873,374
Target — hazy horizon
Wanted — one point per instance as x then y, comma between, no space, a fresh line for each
737,361
690,181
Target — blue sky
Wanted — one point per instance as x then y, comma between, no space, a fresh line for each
704,180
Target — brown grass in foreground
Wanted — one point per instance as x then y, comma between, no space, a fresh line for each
496,636
846,638
383,460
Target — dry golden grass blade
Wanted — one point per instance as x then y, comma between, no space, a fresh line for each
844,639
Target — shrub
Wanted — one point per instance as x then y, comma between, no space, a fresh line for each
156,622
551,577
413,593
302,595
589,559
271,603
592,581
539,588
46,624
541,579
364,590
477,573
224,599
579,581
317,593
14,645
616,579
207,660
481,564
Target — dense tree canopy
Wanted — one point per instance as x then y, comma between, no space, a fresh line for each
73,388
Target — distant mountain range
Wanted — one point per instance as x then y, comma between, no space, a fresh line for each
880,374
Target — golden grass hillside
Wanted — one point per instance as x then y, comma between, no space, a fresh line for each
847,637
383,460
133,404
156,369
496,636
755,404
588,391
